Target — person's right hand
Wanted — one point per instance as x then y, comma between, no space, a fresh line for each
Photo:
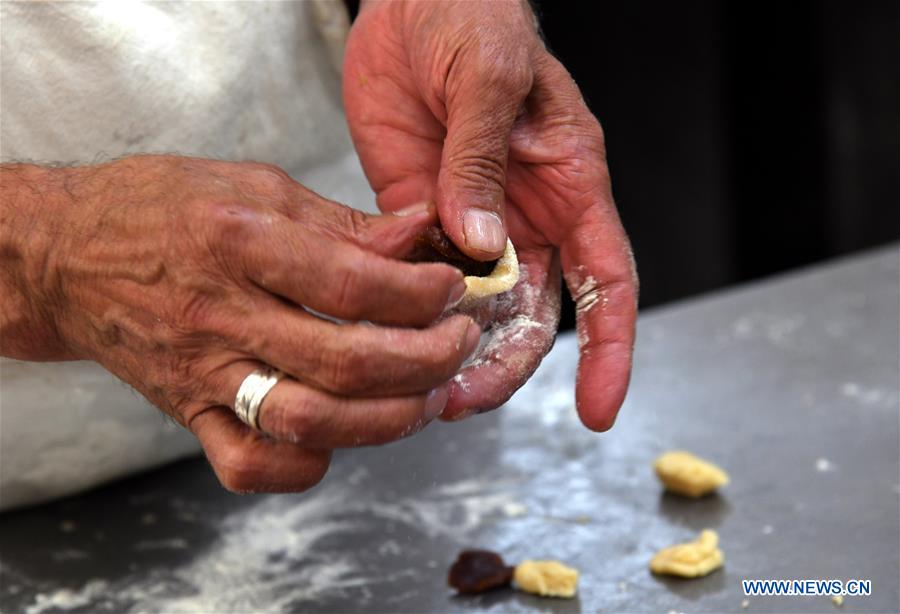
181,276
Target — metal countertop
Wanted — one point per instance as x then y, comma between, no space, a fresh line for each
791,384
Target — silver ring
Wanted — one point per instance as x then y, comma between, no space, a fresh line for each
252,392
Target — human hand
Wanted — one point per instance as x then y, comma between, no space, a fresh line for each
181,276
460,103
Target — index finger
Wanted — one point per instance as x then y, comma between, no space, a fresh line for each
337,278
599,270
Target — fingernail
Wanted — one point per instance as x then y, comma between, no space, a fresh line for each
436,401
484,231
416,209
473,337
456,295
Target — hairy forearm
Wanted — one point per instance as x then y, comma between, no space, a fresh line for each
33,201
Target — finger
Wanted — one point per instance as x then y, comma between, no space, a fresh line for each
522,334
300,414
344,281
357,360
486,88
391,235
599,271
248,461
383,234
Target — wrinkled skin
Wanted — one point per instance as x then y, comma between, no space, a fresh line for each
461,104
181,276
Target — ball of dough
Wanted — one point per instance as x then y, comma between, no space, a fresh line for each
683,473
690,560
502,279
546,578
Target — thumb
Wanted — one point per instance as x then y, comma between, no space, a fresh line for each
392,235
481,111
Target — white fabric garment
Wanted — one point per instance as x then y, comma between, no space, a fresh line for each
85,82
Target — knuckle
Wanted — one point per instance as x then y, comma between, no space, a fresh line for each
170,334
346,291
594,139
355,222
345,372
269,175
472,171
236,474
226,222
584,167
510,75
581,138
503,68
273,182
176,401
341,222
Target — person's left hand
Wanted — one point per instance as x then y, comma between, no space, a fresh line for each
460,103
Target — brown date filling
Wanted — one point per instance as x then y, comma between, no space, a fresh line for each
477,571
433,245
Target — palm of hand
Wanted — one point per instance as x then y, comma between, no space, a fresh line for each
556,165
557,196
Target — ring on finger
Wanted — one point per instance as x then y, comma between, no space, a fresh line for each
252,392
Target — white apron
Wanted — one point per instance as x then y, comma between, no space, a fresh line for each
84,83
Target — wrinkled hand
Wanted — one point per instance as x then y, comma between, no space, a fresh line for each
460,103
181,276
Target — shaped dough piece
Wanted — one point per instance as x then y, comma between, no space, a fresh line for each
502,278
691,560
683,473
546,578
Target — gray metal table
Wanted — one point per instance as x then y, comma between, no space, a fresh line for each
790,384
